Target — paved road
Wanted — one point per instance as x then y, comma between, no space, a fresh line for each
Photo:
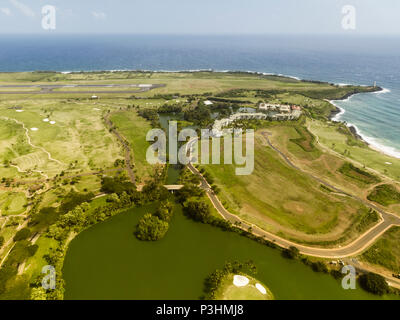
46,89
354,248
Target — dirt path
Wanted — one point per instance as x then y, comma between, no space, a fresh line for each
30,141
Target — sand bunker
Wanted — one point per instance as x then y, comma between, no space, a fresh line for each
52,122
19,110
240,281
388,163
34,129
261,288
46,120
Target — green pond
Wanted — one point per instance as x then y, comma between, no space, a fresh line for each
107,262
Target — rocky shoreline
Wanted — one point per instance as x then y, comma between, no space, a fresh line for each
337,110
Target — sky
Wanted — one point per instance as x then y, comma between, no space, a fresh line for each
378,17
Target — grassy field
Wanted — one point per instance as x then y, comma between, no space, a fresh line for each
52,136
228,291
134,128
331,137
358,174
12,203
287,202
53,144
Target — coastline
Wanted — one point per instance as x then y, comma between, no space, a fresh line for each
334,116
338,112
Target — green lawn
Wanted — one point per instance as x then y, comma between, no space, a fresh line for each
331,137
134,128
285,201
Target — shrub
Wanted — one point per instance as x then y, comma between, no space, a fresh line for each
22,234
197,210
291,253
165,211
319,266
336,274
116,185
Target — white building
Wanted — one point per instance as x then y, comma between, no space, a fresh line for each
268,106
284,109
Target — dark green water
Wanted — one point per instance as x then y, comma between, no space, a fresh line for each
108,262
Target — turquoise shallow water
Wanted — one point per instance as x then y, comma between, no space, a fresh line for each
376,117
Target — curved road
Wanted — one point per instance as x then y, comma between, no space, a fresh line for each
357,246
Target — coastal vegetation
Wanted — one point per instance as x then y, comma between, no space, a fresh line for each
374,283
385,194
58,179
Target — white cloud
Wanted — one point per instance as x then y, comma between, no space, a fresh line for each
99,15
6,11
23,8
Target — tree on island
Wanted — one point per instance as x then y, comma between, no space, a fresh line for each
165,211
151,228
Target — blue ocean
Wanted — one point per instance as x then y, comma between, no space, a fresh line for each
338,59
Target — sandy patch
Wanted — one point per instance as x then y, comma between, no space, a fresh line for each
240,281
46,120
19,110
52,122
261,288
96,109
34,129
388,163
